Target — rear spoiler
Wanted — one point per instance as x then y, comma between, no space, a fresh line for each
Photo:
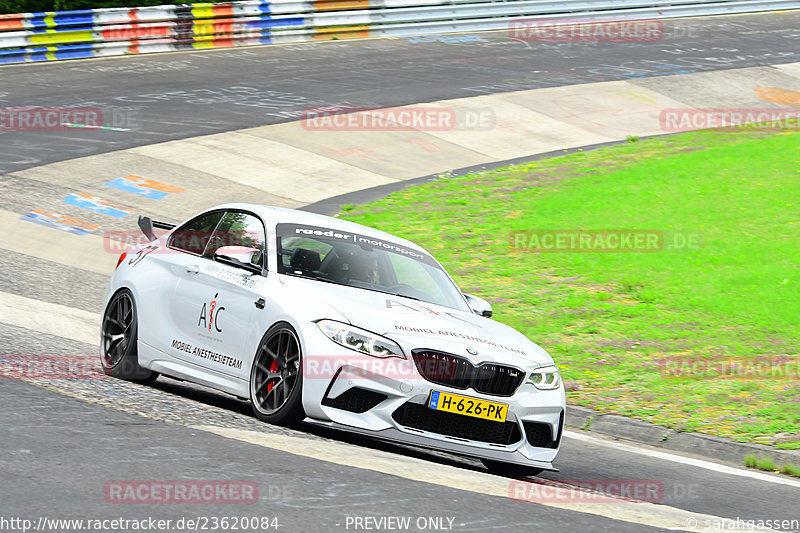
146,224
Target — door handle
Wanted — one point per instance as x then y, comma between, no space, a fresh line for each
260,303
192,269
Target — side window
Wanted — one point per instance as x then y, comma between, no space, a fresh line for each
242,237
193,236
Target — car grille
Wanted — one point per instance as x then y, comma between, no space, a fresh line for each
540,436
459,373
417,416
355,400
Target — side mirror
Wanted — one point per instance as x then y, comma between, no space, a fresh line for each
479,306
240,257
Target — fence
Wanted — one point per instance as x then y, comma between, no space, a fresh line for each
90,33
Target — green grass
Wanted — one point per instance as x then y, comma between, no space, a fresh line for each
791,470
765,463
613,321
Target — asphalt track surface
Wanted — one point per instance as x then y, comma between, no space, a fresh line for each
62,442
179,95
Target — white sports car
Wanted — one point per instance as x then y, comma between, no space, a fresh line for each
315,319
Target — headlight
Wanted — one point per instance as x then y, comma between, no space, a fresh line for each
360,340
545,378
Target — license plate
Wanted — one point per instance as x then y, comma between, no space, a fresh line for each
462,405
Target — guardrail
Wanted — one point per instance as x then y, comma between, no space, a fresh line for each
27,37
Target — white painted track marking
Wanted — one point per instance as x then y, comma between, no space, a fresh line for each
49,318
689,461
649,514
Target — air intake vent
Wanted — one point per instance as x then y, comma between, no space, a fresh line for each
355,400
540,436
414,415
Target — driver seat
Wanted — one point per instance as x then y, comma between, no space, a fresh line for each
306,260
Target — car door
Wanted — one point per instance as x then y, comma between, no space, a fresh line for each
217,302
162,269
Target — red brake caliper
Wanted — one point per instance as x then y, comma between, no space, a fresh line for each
272,368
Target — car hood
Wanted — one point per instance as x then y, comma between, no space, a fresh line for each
420,325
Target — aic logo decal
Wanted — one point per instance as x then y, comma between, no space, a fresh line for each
209,315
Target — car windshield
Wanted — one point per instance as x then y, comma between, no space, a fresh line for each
364,262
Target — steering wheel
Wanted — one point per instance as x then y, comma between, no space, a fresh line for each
407,290
399,288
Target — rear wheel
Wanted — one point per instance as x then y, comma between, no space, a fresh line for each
276,379
119,340
510,469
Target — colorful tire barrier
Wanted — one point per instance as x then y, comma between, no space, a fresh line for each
27,37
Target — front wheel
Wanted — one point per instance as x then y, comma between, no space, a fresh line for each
509,469
276,377
119,340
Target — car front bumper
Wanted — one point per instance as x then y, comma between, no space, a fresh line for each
356,393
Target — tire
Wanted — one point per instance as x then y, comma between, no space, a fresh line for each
118,341
510,469
276,377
